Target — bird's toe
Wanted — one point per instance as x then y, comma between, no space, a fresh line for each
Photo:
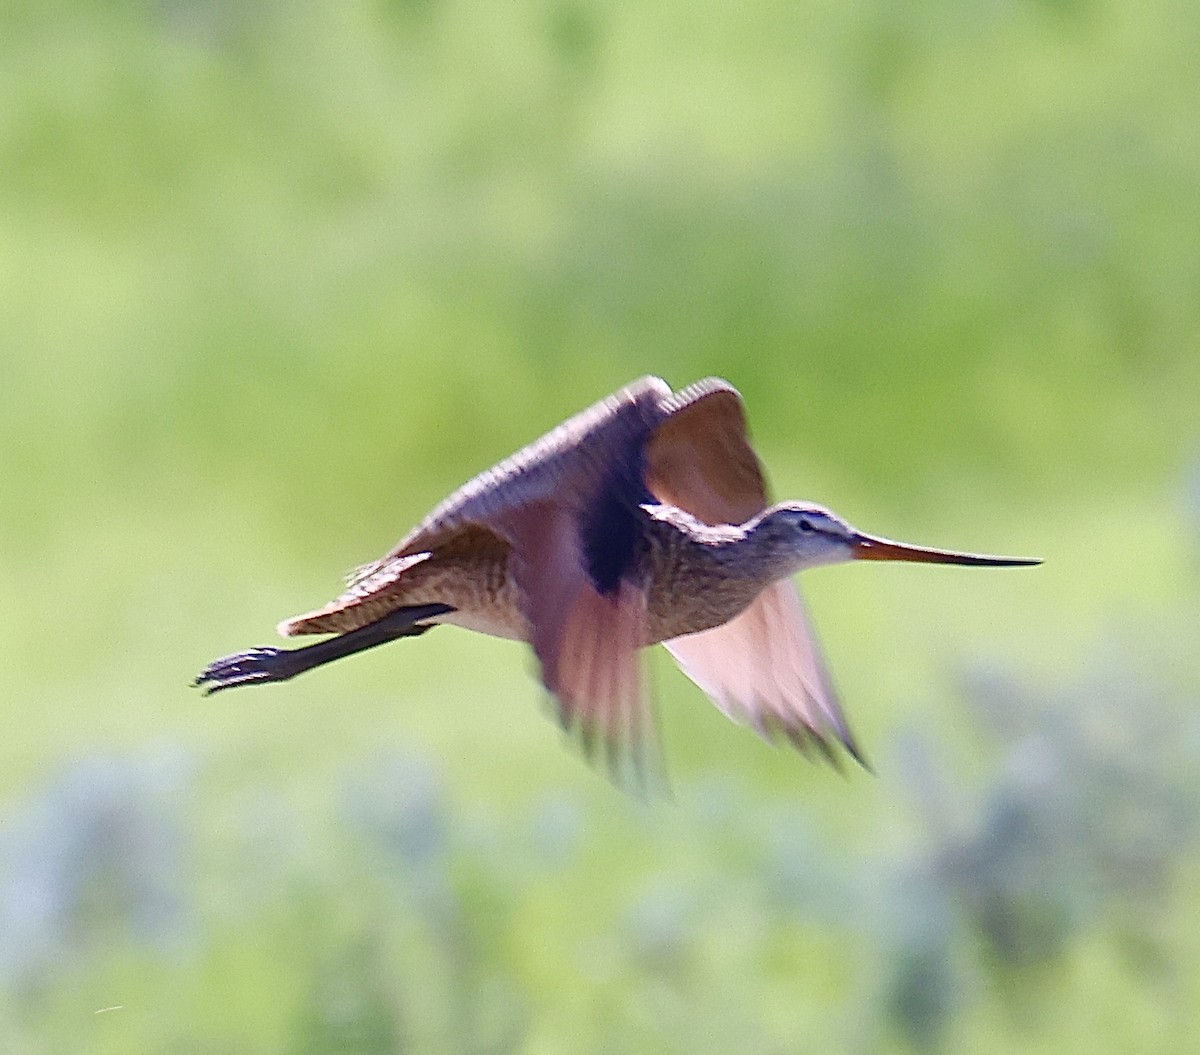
242,668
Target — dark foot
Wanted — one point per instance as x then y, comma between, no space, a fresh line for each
247,668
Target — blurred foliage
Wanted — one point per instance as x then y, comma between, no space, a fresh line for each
419,927
274,278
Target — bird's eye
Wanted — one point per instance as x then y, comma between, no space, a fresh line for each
806,524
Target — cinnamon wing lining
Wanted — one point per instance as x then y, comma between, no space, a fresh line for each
587,642
598,678
763,667
700,459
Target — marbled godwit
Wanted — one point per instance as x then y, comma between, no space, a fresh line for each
643,519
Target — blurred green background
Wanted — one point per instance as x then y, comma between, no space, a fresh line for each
274,278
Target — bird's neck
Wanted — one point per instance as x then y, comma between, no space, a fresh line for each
735,552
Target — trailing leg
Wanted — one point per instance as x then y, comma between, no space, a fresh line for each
258,665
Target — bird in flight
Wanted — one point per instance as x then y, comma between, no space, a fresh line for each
643,519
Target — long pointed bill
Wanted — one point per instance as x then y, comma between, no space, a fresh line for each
865,547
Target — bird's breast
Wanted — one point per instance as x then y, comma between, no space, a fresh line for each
693,586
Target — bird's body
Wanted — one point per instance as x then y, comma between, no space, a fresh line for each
643,519
697,577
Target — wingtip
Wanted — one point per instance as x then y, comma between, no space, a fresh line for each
825,742
855,751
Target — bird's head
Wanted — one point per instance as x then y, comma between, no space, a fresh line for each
800,535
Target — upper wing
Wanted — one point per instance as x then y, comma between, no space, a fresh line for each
562,469
764,666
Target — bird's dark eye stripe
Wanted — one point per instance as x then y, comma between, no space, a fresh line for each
806,524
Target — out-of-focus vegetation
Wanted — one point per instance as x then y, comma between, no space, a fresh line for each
274,278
